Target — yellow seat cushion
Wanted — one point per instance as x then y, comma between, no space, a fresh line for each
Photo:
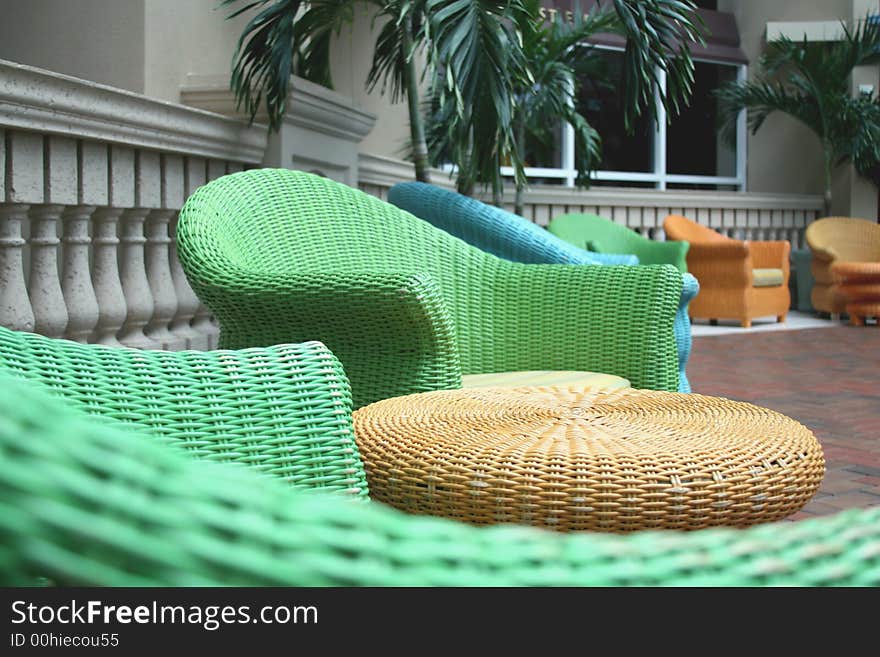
767,277
592,380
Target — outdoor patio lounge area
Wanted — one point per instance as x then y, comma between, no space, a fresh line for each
543,293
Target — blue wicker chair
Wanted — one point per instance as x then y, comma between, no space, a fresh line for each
512,237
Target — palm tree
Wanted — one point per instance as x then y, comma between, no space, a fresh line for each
475,44
809,81
543,61
294,37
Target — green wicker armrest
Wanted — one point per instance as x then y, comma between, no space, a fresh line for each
392,331
612,319
283,410
86,504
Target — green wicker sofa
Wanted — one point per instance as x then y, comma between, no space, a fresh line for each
89,502
284,256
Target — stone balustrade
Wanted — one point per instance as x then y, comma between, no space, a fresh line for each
740,215
92,181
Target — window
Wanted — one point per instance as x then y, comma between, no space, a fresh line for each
601,105
693,145
687,153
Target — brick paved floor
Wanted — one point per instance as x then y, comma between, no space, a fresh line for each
828,379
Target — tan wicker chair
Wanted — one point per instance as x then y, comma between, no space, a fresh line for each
836,240
738,280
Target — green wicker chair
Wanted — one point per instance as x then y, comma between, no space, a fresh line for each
595,233
285,256
283,410
86,503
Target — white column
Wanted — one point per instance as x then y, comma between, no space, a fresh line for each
742,135
187,303
76,281
44,286
660,130
161,284
112,309
138,297
15,306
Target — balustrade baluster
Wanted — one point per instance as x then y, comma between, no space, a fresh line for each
15,306
112,308
203,324
76,283
135,286
44,284
161,284
187,303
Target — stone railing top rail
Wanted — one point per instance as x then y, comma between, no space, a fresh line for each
309,105
384,171
47,102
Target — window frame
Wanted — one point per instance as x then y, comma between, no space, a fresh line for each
659,176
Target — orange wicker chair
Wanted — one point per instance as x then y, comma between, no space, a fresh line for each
837,240
738,280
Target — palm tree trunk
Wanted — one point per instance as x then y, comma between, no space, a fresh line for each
521,148
829,164
497,182
416,125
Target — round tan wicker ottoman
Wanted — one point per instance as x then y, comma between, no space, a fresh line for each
570,459
859,283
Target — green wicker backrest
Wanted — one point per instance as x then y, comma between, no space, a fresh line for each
590,230
283,410
267,220
278,220
86,504
595,233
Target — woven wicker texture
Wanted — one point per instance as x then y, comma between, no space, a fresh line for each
87,504
515,238
573,459
859,284
590,231
725,268
592,380
283,410
834,240
285,256
494,230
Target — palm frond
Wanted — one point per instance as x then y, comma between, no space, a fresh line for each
658,37
264,56
399,40
761,99
475,45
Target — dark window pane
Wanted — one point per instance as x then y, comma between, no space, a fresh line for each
693,145
544,149
600,103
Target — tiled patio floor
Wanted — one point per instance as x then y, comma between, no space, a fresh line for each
826,378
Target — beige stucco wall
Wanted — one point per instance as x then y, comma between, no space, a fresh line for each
351,58
187,37
98,40
862,195
146,46
784,156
